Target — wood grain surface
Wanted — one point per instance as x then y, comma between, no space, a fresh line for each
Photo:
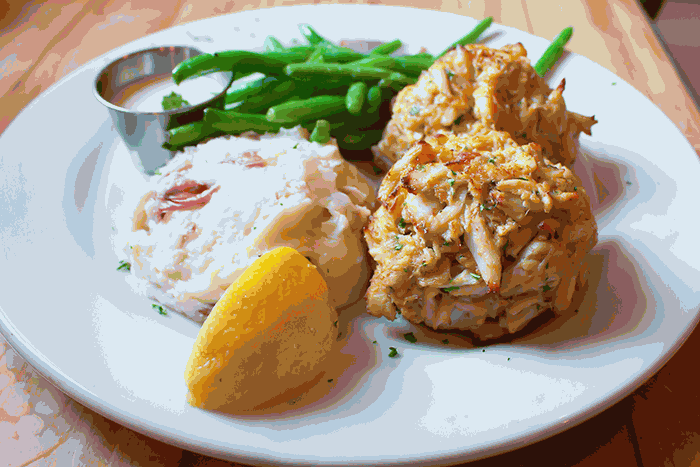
42,42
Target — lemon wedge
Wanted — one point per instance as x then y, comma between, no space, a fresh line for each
265,339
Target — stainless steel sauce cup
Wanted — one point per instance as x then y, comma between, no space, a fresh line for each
144,133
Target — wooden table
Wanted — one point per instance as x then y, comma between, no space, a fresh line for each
41,42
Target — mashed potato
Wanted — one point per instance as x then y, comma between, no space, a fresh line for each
218,206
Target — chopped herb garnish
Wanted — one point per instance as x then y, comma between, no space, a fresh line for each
628,182
447,244
445,341
451,182
410,337
157,172
454,174
415,110
546,288
159,309
523,178
335,323
424,264
492,161
450,289
330,380
405,269
377,170
174,101
450,75
475,276
575,189
295,146
546,266
538,306
402,223
614,83
483,207
484,350
508,358
457,121
398,247
420,167
124,265
392,352
374,342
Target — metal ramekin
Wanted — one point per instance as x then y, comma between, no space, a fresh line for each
145,132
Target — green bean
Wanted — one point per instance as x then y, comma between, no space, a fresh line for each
316,56
408,65
553,52
386,48
396,81
355,98
272,44
308,109
189,134
471,37
276,95
374,99
359,73
236,123
335,54
241,91
240,61
311,35
321,133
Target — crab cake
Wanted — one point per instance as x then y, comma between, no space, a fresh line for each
495,87
476,232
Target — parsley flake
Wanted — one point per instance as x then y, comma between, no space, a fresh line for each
475,276
393,352
451,182
402,223
330,380
457,121
415,110
546,288
173,101
159,309
410,337
376,170
450,289
492,161
523,178
628,182
374,342
398,247
124,265
450,75
445,341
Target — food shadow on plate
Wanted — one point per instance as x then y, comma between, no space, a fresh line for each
81,187
355,378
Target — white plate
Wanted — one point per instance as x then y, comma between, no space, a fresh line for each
66,309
